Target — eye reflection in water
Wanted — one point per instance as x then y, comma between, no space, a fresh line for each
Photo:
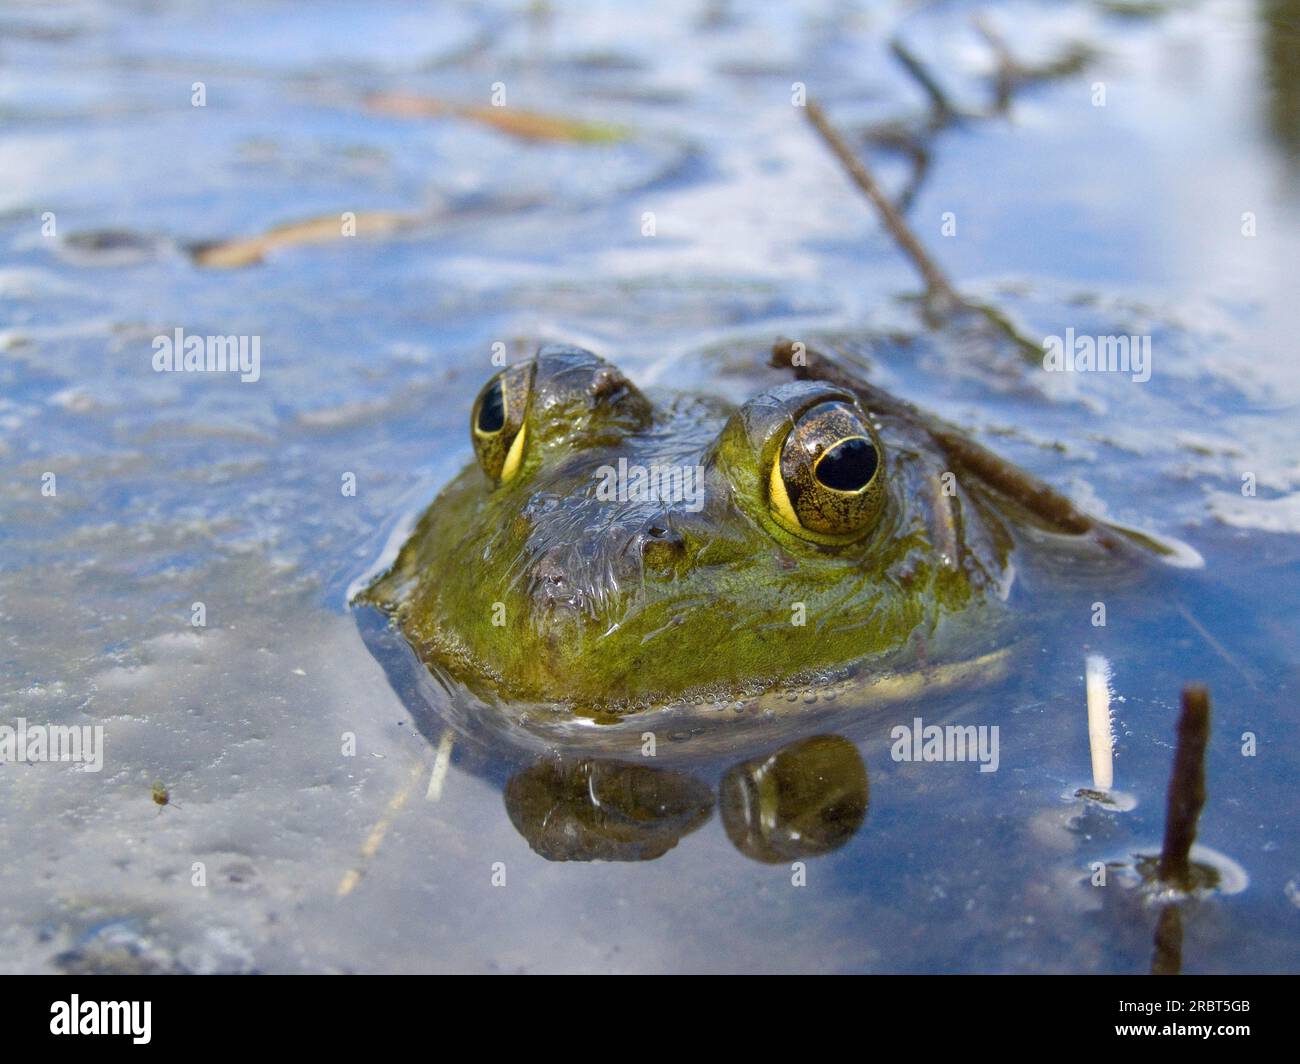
804,800
600,810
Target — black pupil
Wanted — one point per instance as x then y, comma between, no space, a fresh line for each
849,465
492,411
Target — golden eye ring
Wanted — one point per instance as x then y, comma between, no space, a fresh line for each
827,481
498,422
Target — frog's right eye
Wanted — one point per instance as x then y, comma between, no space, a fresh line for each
498,423
827,483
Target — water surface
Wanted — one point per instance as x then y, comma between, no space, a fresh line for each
174,489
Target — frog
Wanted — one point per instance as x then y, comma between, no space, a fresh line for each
614,556
804,799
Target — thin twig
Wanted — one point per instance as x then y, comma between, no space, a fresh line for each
1008,70
942,108
1218,647
1012,74
377,833
915,147
937,284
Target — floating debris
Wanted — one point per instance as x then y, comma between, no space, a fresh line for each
1135,9
377,833
442,761
113,247
324,229
1116,801
526,125
1100,737
1011,74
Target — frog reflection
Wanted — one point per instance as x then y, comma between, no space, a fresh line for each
807,799
600,810
804,800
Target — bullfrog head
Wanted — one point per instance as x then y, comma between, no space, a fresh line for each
606,553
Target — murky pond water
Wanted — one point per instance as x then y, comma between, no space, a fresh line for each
1150,188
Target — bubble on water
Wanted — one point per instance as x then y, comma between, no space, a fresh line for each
1292,890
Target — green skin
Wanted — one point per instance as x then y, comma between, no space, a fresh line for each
538,590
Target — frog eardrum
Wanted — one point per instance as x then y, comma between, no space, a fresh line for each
827,483
498,423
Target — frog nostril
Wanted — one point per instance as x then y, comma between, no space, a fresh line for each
549,585
661,547
607,383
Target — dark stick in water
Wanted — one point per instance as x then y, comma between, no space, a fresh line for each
1186,786
1167,956
936,281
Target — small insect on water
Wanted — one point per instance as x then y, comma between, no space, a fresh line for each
161,796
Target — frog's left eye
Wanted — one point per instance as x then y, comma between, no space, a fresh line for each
498,423
827,483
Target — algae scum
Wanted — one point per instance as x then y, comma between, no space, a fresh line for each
178,548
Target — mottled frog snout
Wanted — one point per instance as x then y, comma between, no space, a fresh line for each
598,572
